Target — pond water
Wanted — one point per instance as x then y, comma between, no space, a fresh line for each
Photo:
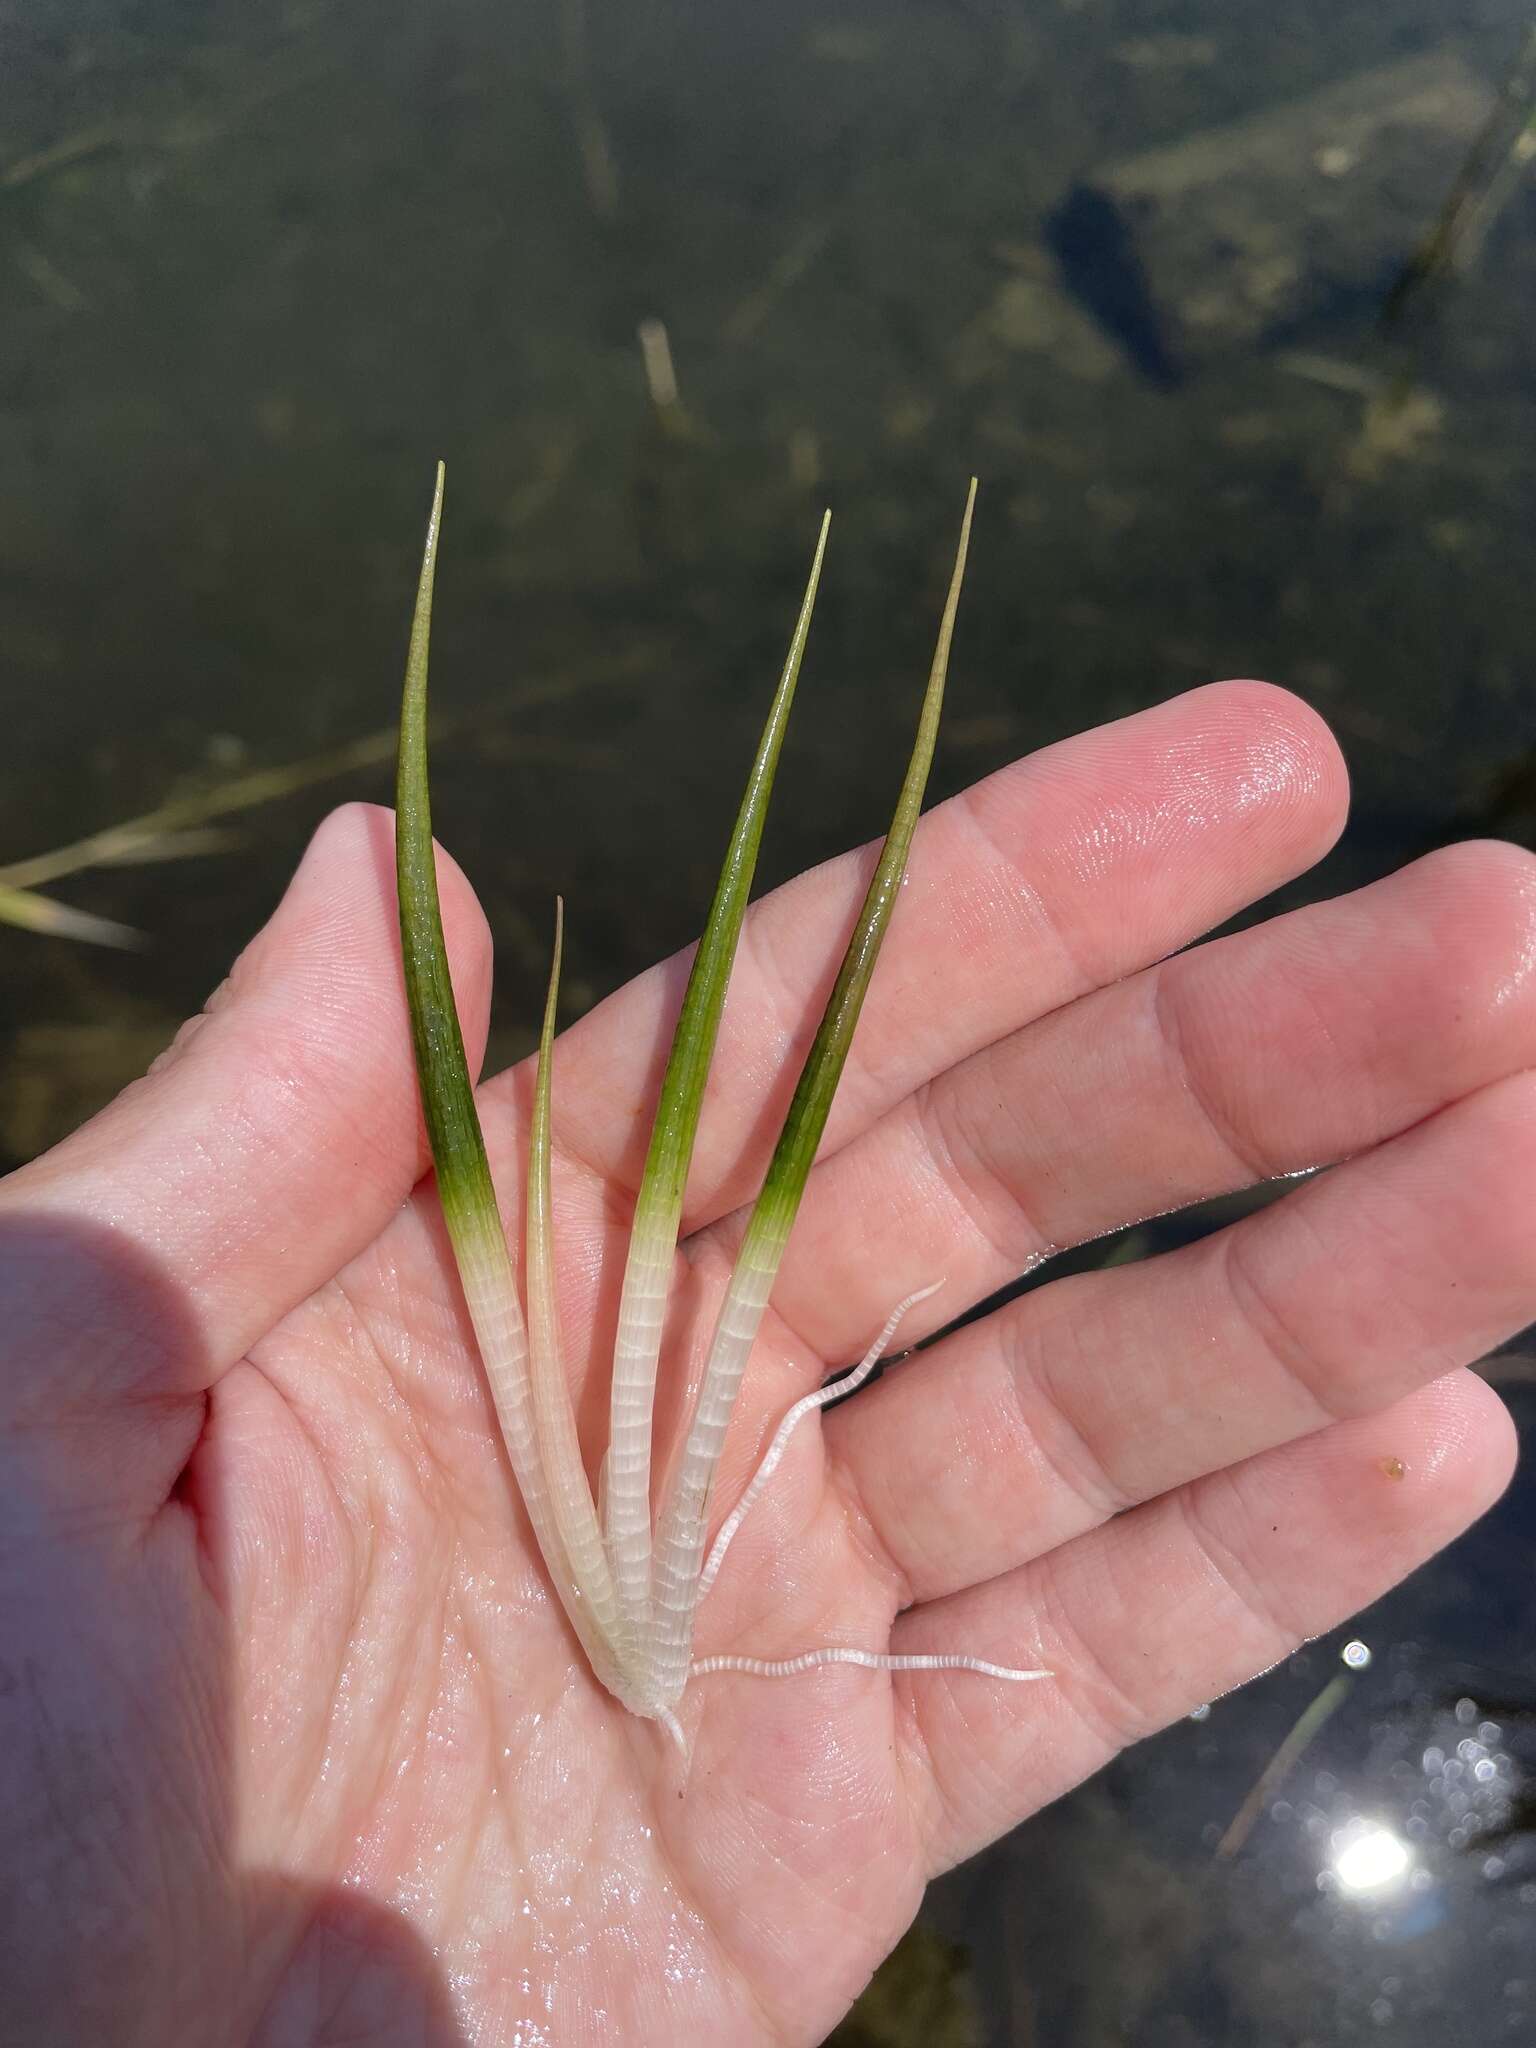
658,282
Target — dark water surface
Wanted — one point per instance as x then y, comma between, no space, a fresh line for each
264,265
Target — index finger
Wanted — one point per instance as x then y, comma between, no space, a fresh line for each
1064,871
273,1142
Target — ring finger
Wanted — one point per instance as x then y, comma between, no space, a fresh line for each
1070,1405
1304,1041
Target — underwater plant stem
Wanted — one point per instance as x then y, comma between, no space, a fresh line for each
1273,1775
1500,151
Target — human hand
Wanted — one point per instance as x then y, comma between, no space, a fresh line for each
295,1742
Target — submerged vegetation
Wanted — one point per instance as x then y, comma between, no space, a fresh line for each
175,830
631,1589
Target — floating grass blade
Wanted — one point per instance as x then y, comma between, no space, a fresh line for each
680,1539
658,1205
554,1417
453,1125
30,912
172,829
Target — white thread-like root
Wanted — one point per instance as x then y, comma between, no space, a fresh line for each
867,1660
813,1660
808,1404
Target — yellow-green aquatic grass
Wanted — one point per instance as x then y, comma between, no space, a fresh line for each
179,829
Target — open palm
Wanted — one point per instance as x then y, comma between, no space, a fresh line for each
298,1745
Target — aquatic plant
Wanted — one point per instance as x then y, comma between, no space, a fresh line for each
632,1587
179,829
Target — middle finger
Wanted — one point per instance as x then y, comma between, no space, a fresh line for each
1103,1391
1286,1047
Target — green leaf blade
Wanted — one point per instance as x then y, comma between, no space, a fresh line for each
465,1187
659,1201
680,1538
812,1102
447,1095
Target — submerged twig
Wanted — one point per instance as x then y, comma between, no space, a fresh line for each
661,379
1500,152
1307,1725
597,159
